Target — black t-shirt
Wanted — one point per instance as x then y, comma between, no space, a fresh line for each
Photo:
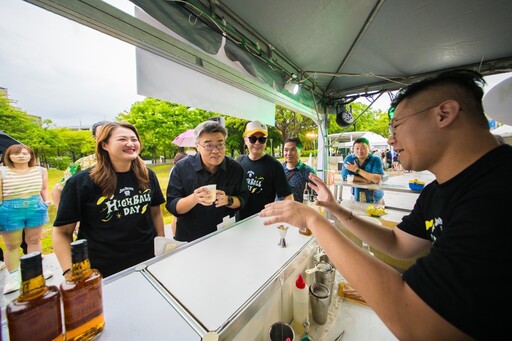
119,229
189,174
465,278
266,181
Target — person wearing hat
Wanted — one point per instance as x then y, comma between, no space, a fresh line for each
264,174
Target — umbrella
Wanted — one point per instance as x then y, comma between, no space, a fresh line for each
6,141
185,139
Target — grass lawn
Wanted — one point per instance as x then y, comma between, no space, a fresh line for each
54,176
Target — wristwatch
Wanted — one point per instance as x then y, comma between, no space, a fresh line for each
230,201
357,170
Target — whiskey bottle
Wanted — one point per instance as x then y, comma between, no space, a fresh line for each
35,314
82,296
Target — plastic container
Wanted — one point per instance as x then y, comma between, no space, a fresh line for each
300,305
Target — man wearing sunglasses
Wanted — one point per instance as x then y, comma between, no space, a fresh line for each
459,230
264,175
189,200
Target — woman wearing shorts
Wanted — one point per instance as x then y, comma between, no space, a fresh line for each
24,207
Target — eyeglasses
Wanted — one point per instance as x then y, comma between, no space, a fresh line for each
261,139
393,123
209,147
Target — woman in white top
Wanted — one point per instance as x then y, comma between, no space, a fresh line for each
24,206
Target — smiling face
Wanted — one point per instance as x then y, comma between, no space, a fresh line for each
212,148
257,148
123,146
361,151
417,148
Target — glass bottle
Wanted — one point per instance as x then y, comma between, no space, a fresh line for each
305,231
35,314
82,296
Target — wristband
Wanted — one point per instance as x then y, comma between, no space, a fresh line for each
357,170
66,271
350,216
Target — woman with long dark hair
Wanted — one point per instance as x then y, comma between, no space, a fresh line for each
117,203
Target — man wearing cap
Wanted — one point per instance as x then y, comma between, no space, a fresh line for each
264,174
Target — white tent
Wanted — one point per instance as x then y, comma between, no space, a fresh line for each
346,140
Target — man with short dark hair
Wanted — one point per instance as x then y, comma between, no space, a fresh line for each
264,174
295,170
459,229
188,198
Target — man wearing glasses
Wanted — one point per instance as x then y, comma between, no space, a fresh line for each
459,230
264,175
189,199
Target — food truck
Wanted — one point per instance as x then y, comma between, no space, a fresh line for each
241,58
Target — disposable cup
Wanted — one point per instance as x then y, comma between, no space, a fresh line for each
350,179
212,192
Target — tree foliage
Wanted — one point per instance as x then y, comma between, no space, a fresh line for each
159,122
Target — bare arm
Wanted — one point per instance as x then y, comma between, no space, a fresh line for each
56,192
394,242
158,220
380,285
289,197
62,236
44,190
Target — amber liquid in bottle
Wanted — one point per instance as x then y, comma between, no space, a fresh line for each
82,296
35,314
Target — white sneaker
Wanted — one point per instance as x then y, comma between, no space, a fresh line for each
12,282
47,274
2,265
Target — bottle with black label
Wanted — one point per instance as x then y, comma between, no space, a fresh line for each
82,296
35,314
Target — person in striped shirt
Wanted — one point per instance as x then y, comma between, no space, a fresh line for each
24,207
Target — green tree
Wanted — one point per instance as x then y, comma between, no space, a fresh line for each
159,122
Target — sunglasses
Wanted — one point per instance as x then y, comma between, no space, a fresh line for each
261,139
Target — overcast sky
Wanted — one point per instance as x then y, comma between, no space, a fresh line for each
57,69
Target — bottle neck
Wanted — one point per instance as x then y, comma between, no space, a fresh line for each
81,269
33,287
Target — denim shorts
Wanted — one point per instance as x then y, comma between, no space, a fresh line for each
16,214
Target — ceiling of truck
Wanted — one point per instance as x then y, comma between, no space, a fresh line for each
341,48
335,49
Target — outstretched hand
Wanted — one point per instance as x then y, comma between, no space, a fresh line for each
325,197
288,211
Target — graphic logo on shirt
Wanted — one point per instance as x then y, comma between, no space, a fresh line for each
126,190
435,226
255,184
120,208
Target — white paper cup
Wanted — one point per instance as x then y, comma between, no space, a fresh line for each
212,192
350,178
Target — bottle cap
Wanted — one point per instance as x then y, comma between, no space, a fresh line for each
79,251
299,283
31,266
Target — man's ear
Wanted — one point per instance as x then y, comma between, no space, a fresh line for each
448,112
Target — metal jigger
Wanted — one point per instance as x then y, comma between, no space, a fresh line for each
282,233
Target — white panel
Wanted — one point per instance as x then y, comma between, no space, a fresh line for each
216,277
166,80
